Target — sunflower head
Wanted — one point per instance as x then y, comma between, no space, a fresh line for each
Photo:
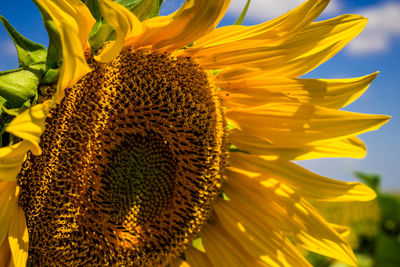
143,143
154,140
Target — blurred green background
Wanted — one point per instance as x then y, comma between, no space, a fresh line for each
375,227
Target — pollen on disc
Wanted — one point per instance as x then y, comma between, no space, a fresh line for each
131,163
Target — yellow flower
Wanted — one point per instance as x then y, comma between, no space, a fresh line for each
174,142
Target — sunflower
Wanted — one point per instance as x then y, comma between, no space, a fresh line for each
157,140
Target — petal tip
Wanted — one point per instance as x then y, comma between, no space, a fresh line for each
364,192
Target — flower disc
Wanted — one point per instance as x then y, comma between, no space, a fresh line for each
131,164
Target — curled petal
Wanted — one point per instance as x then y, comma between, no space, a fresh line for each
276,30
29,125
126,25
11,159
193,20
74,22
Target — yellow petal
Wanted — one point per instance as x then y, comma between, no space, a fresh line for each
257,88
268,244
5,253
126,25
299,54
29,125
294,124
178,262
193,20
7,205
74,22
276,30
275,202
351,147
11,159
18,238
196,258
303,181
343,230
222,249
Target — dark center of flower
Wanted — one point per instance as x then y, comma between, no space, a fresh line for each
131,164
138,180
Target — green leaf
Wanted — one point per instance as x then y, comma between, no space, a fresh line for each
387,251
143,9
20,85
240,19
28,52
390,207
54,56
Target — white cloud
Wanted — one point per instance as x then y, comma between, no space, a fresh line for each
334,8
383,26
262,10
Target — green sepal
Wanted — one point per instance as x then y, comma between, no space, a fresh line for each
198,244
16,111
54,55
216,71
103,32
100,33
2,103
129,4
51,76
233,148
28,52
3,121
20,85
143,9
6,116
240,19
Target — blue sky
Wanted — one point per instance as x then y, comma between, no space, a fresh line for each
377,48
